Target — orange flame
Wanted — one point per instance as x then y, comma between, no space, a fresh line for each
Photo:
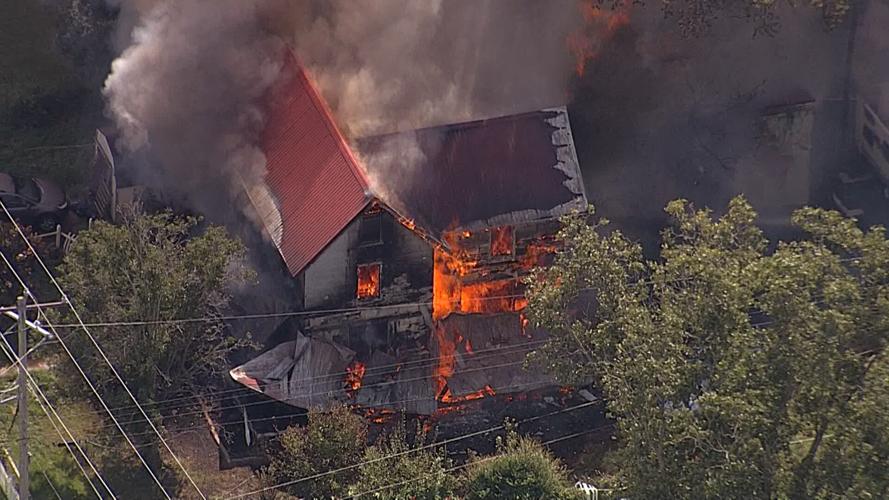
502,239
354,375
368,281
449,398
451,294
600,25
379,415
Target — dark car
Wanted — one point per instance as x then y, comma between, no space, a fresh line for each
34,201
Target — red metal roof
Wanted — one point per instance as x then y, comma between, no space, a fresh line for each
317,185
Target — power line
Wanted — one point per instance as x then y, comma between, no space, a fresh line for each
286,314
77,365
385,405
324,393
244,390
374,370
412,450
41,398
120,379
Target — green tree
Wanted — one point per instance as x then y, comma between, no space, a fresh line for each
522,469
733,371
331,440
150,269
418,475
25,263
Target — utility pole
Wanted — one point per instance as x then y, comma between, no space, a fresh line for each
24,480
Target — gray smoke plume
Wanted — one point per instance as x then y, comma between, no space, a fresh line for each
186,85
398,65
185,93
387,65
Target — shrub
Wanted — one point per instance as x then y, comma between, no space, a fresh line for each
420,475
522,469
330,441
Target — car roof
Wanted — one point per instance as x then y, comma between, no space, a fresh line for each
7,185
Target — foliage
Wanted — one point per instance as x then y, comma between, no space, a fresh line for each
522,469
423,473
733,371
19,254
51,462
330,441
48,114
152,268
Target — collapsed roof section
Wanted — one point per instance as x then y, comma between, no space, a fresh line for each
314,186
484,173
305,372
312,373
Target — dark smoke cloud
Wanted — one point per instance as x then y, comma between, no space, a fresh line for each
184,90
388,65
658,116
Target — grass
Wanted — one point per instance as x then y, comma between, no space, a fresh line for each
50,460
45,108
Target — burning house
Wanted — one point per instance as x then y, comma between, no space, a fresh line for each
411,284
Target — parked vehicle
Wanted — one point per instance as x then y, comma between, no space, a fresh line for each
34,201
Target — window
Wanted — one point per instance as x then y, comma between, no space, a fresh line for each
502,240
369,280
371,230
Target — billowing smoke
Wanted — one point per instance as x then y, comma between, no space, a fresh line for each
185,88
387,65
184,96
398,65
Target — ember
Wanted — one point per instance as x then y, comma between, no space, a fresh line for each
447,397
379,415
354,375
368,280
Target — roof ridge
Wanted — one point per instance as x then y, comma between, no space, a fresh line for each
321,105
470,123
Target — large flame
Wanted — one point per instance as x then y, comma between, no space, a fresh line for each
452,294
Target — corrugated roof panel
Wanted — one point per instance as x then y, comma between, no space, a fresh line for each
317,184
483,173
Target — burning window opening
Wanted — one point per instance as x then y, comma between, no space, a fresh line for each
369,280
502,241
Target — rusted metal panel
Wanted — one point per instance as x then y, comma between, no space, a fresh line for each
498,171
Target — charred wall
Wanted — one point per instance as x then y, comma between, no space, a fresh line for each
374,238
